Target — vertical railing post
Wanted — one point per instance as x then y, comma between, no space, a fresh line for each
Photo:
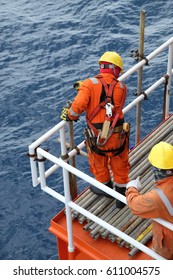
140,72
168,86
41,171
33,165
67,196
73,181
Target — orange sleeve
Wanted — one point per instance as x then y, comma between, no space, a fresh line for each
81,100
142,205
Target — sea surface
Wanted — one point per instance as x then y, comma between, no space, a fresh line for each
45,46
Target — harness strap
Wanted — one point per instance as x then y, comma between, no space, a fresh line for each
114,151
109,92
116,118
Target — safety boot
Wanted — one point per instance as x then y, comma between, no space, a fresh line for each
122,190
100,192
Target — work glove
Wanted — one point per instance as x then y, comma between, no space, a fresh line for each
134,184
77,85
64,114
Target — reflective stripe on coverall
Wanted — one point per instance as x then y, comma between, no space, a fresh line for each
152,205
87,99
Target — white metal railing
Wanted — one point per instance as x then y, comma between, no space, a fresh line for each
38,152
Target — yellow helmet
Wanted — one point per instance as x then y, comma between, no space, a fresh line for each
161,155
113,58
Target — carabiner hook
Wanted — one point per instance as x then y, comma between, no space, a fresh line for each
103,143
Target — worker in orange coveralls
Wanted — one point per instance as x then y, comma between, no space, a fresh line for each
102,98
157,203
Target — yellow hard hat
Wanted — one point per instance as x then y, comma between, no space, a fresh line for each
161,155
113,58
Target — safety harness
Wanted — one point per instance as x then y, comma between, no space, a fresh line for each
114,117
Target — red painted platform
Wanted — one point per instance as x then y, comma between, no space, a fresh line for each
86,248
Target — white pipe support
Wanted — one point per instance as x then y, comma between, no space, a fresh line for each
73,152
82,175
41,170
67,192
33,165
68,210
63,141
142,96
54,194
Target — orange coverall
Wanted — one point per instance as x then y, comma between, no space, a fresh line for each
150,205
87,99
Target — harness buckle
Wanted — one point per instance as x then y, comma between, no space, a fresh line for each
108,108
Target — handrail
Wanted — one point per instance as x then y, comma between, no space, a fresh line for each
36,151
90,180
148,58
73,205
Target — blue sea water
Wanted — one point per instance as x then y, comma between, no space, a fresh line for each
45,46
